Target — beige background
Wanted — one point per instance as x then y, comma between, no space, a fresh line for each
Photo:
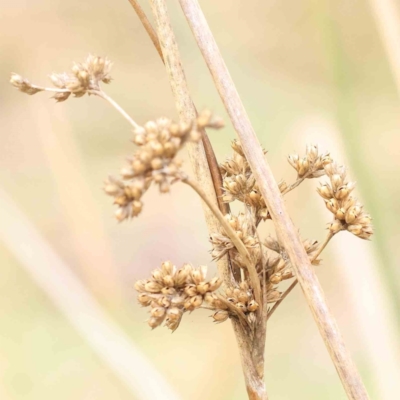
307,71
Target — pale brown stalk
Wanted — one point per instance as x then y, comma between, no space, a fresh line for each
210,155
253,376
285,229
293,285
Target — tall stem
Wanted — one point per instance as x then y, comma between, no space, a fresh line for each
209,151
269,189
254,380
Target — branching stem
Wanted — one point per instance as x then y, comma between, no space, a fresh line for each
297,182
241,248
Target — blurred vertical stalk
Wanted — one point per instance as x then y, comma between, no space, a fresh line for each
387,18
78,206
342,74
83,312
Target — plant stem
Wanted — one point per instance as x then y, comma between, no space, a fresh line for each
254,380
293,285
269,189
241,248
209,151
98,93
187,113
147,25
104,96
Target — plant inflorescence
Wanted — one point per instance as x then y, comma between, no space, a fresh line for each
258,266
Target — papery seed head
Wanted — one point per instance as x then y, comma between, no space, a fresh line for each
335,227
144,299
174,313
215,283
157,312
252,306
153,287
168,268
153,322
168,280
220,316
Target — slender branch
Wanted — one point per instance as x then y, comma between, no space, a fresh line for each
98,93
269,189
293,285
104,96
294,185
297,182
241,248
147,25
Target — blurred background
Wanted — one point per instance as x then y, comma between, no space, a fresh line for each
308,71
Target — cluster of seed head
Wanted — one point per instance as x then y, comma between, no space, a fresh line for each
239,183
311,165
348,212
83,78
222,244
278,266
154,161
240,297
170,292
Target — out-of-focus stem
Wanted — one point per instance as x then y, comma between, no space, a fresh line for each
147,25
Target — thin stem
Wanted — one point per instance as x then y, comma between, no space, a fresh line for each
241,248
293,185
200,163
147,25
297,182
104,96
285,229
293,285
209,151
47,89
98,93
199,159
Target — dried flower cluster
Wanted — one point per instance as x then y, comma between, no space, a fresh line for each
83,78
239,183
170,292
278,266
311,165
154,161
348,212
240,297
222,243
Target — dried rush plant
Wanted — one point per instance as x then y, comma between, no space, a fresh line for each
251,269
258,266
